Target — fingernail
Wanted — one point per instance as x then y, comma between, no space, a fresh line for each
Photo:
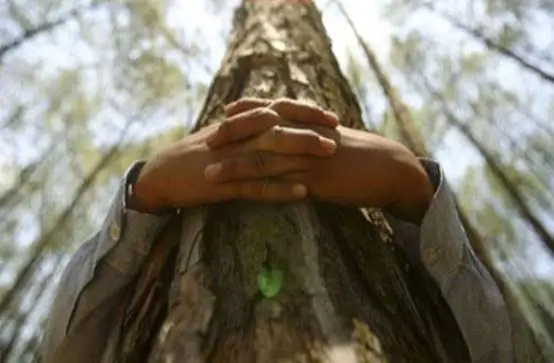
212,171
327,144
299,190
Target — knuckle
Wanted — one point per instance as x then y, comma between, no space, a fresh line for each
225,127
229,170
270,113
255,189
278,104
281,101
277,134
302,162
315,110
266,114
319,113
277,130
311,140
260,111
260,162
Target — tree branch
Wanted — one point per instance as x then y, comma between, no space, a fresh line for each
29,34
491,44
25,174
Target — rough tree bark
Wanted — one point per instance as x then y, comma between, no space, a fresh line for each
348,293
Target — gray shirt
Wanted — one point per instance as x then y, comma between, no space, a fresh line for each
87,309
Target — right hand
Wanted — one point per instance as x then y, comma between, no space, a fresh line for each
176,176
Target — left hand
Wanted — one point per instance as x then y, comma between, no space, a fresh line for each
367,170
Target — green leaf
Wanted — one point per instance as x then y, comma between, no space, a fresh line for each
270,281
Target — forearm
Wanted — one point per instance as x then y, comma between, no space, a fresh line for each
441,247
96,277
80,324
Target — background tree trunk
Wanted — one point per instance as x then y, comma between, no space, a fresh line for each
348,293
511,189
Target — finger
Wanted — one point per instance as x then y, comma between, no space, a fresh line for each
301,111
289,140
244,125
300,177
263,190
245,104
255,166
295,110
270,191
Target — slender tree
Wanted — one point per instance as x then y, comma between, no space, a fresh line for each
21,320
24,175
343,283
520,151
46,239
404,120
512,191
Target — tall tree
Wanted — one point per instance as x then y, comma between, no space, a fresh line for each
340,281
44,241
512,191
407,127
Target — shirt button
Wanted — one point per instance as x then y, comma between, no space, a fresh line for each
115,232
431,255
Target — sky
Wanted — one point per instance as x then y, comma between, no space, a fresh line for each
455,154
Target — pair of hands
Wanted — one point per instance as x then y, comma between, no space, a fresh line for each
282,151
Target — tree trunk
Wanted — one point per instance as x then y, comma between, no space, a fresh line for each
348,293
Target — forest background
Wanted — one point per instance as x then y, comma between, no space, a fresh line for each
87,87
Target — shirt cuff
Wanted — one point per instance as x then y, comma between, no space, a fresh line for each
127,235
441,235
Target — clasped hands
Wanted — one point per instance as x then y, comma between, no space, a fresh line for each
284,150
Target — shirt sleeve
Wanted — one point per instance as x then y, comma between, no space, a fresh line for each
93,282
440,246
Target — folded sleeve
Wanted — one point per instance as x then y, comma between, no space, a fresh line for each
440,246
95,278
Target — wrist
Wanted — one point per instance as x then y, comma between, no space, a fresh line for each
413,195
141,195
